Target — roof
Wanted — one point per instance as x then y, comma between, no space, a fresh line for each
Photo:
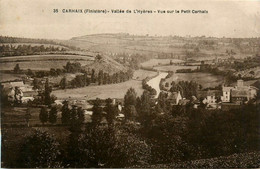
184,101
239,93
30,93
173,96
204,94
227,89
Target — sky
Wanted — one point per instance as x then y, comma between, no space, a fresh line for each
35,19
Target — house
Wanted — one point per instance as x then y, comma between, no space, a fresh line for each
174,97
226,94
28,96
209,97
239,93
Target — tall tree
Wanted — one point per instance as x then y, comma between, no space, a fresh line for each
65,112
47,93
93,78
43,115
53,115
63,83
81,115
130,97
17,69
97,112
145,113
36,84
111,111
28,117
130,103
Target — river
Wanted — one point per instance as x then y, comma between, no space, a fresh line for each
155,82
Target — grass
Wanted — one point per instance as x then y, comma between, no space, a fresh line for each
205,79
105,91
174,68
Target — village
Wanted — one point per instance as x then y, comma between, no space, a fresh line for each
167,107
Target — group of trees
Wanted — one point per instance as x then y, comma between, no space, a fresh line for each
147,87
92,148
186,88
109,111
44,95
152,133
74,115
101,78
48,116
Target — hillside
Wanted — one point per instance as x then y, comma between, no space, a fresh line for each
174,46
243,160
47,54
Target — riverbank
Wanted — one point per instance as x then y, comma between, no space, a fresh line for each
155,82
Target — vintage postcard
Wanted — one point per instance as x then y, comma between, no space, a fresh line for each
130,83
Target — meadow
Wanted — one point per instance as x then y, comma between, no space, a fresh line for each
174,68
205,79
142,74
103,92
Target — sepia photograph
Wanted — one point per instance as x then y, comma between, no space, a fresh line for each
130,83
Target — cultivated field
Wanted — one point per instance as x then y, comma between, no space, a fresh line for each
42,62
10,77
103,92
156,62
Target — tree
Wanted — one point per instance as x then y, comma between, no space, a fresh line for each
30,73
130,103
43,115
110,148
17,69
36,84
111,111
40,150
130,97
93,78
145,114
28,117
47,93
97,112
65,112
53,115
100,77
63,83
81,115
18,94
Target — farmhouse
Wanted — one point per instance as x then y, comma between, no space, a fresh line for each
238,94
174,97
210,97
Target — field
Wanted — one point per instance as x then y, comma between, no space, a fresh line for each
42,62
9,76
15,116
156,62
103,92
142,74
174,68
205,79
